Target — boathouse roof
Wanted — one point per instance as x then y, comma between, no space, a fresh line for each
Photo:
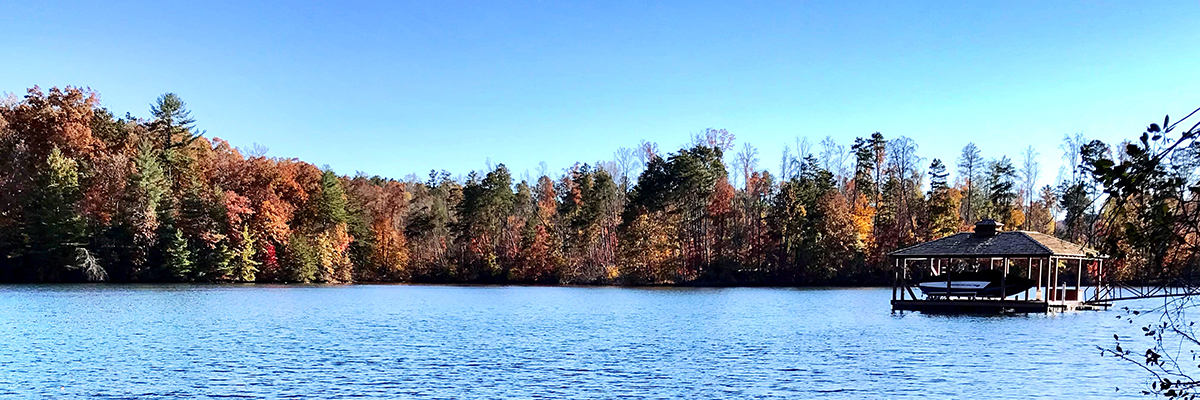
988,241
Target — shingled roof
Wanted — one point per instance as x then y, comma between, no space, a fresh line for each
988,244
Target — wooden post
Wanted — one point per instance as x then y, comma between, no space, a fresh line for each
1038,295
1054,263
895,283
908,287
1079,280
1059,293
948,284
1028,273
1004,279
1043,279
1054,280
1063,281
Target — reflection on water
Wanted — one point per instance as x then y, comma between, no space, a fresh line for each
521,342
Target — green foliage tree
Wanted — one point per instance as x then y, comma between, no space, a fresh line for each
486,203
796,223
1073,198
869,155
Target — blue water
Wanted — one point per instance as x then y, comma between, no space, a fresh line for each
184,341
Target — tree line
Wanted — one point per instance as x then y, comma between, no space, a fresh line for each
86,195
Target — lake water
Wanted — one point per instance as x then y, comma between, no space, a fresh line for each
399,341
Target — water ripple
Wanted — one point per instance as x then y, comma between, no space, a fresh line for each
203,341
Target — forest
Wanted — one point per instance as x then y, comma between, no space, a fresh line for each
86,195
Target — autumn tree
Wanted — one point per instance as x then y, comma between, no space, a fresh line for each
135,199
1041,211
747,163
840,247
48,142
376,211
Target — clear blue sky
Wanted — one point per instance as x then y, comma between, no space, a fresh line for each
393,88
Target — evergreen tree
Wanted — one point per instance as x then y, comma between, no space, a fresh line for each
1002,199
796,222
301,261
176,262
486,204
53,228
330,202
943,204
145,197
174,126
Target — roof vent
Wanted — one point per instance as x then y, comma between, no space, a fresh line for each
987,227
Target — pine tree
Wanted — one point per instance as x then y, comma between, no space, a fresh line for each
145,194
174,126
53,228
1002,199
943,204
177,263
301,261
330,202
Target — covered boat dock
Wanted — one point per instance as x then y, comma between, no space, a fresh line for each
1067,276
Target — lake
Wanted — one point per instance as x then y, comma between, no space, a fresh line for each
411,341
